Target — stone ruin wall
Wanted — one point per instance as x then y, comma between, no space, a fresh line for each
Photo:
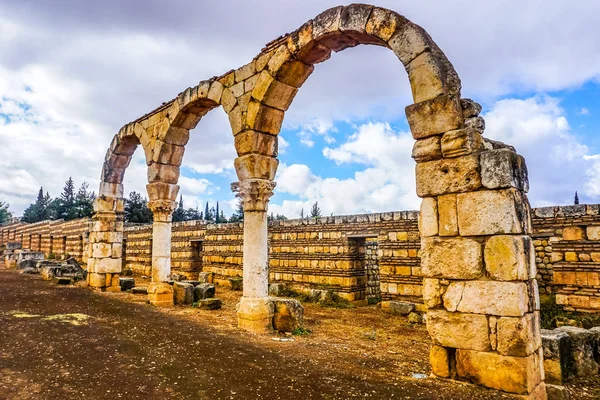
329,253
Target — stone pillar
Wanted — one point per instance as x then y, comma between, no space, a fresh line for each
255,309
477,257
160,293
106,235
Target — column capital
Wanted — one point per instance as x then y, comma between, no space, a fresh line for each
162,210
255,193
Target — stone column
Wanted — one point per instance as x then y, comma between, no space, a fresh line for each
255,309
477,256
106,234
160,293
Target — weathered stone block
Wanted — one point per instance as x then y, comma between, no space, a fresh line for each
427,149
470,108
458,330
210,304
492,212
440,361
275,289
428,217
432,294
519,336
401,307
448,215
126,283
183,293
288,314
593,232
503,168
556,345
581,349
519,375
557,392
204,291
573,233
453,258
507,299
139,290
454,175
434,117
409,41
461,142
248,142
510,258
256,166
205,277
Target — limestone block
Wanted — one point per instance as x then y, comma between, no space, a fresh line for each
409,41
354,20
461,142
210,304
573,233
205,277
508,299
470,108
383,23
510,258
183,293
434,117
237,283
519,375
556,392
503,168
108,189
428,77
106,265
101,250
432,292
427,149
96,280
263,118
256,166
288,314
556,345
449,175
294,73
248,142
162,191
401,307
204,291
126,283
519,336
275,289
448,215
452,258
440,361
47,273
458,330
282,56
327,22
163,173
582,347
272,92
245,72
428,217
491,212
593,232
255,314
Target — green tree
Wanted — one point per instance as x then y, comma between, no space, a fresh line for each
66,202
192,214
217,215
238,213
315,211
84,202
207,212
5,215
576,198
302,213
38,211
136,209
179,214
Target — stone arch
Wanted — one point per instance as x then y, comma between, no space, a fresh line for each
475,217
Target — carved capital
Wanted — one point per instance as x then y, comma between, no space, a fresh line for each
255,193
162,210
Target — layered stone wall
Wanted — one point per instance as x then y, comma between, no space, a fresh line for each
329,253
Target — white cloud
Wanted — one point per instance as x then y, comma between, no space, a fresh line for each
584,111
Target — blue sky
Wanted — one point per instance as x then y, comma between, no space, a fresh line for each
72,73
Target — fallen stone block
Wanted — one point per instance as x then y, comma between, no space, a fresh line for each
139,290
183,293
275,289
126,283
556,392
30,271
556,346
63,281
192,282
205,277
204,291
415,318
210,304
288,315
178,277
48,273
236,283
581,350
401,307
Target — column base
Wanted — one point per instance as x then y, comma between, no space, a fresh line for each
255,314
160,294
103,282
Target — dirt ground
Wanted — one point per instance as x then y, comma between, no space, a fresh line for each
71,343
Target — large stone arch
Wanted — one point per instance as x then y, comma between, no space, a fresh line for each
477,255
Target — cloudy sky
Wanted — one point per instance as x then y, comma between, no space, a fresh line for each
73,72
